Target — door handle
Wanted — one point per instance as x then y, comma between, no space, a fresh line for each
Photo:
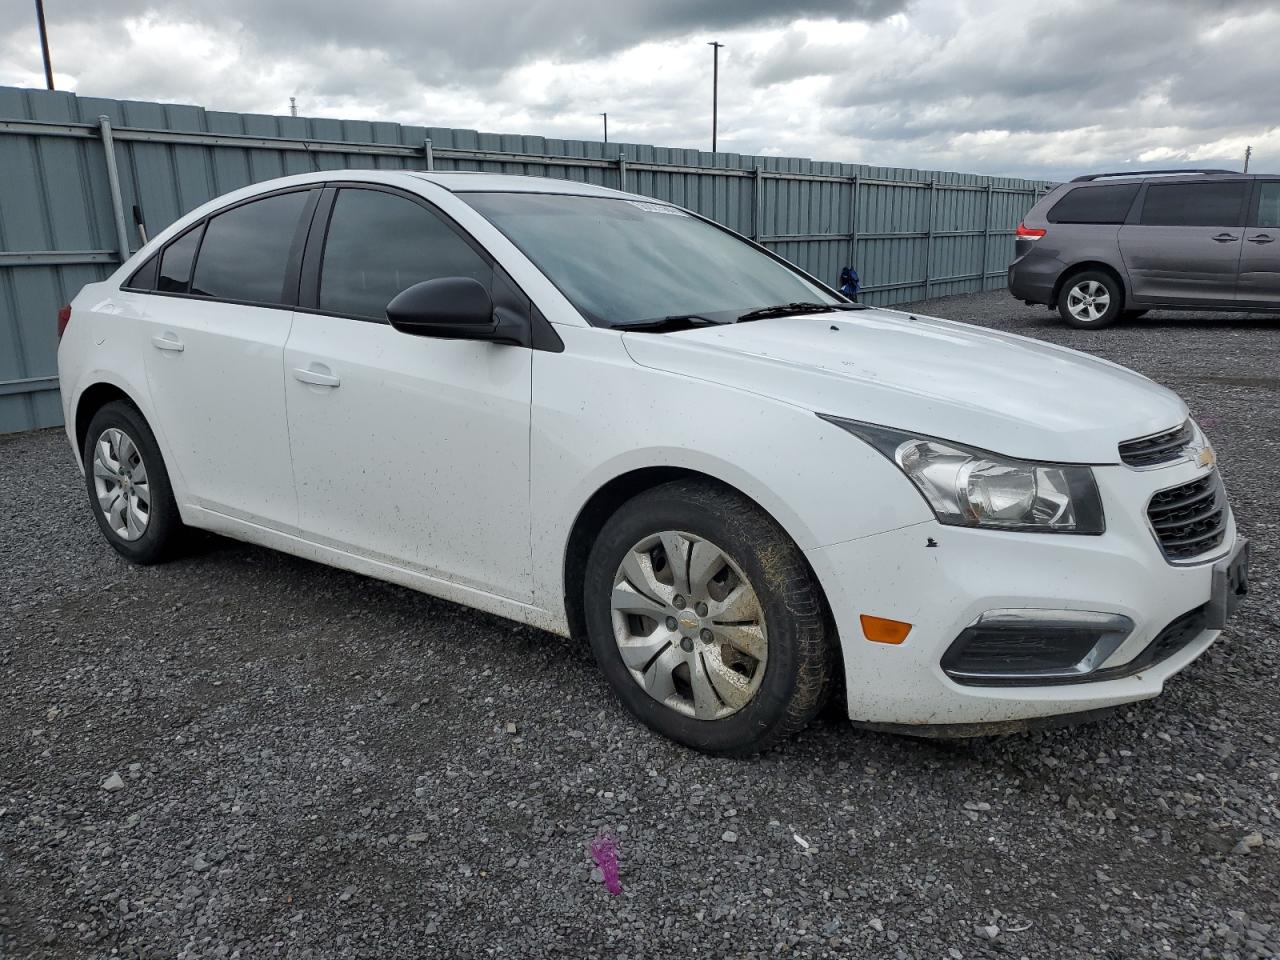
1262,238
168,342
1225,237
316,377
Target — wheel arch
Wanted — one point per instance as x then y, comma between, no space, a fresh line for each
1085,266
92,399
606,500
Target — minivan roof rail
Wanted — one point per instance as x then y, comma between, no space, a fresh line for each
1145,173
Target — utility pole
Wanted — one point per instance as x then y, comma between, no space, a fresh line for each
715,89
606,127
44,44
1248,152
293,106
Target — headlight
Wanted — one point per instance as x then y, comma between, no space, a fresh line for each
974,488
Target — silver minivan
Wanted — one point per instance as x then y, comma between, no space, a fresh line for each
1113,245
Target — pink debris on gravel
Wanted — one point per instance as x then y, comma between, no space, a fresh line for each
604,851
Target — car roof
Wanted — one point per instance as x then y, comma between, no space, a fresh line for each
467,181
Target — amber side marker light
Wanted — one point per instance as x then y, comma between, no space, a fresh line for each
882,630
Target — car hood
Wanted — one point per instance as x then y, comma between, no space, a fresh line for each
1001,392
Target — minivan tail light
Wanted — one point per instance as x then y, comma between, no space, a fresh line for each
1028,233
64,317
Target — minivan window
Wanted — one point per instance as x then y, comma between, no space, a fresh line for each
1101,204
175,264
246,250
1194,204
621,261
380,244
1267,213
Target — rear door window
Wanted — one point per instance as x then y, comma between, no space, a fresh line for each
245,253
380,244
1194,204
175,263
1101,204
1267,212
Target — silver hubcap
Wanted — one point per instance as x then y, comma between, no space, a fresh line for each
120,482
1088,301
689,625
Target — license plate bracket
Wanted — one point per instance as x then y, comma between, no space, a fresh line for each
1230,586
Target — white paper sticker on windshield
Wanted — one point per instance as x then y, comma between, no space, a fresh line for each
657,208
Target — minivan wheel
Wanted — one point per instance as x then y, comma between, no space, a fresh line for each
706,620
128,485
1090,300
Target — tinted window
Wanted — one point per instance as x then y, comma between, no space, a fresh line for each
380,244
246,250
620,261
1267,213
1194,204
175,263
144,278
1108,204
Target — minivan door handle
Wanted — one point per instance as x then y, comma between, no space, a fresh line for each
317,375
1262,238
1225,237
167,341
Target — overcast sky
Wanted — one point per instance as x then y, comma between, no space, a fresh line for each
1015,87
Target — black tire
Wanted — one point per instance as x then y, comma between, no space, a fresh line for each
800,651
1132,314
164,532
1114,294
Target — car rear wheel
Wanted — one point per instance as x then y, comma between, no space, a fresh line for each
129,487
1090,300
706,620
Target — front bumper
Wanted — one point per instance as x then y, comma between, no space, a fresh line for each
943,579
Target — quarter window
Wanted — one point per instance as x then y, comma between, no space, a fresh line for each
246,250
1268,212
380,244
1103,204
1194,204
175,264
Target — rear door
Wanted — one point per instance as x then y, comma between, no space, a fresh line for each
1182,244
217,327
1259,284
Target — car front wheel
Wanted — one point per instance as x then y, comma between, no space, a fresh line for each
706,620
1090,300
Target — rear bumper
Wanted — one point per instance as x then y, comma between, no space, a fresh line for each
943,579
1032,277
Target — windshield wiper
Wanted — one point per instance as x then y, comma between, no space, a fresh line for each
797,307
677,321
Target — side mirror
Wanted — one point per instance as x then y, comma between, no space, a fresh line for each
453,307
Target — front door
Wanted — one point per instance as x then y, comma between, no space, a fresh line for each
216,324
1184,245
1260,257
407,449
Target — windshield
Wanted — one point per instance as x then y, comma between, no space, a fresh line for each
623,262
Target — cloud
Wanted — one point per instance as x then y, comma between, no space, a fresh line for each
998,86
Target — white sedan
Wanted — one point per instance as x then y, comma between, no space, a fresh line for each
608,417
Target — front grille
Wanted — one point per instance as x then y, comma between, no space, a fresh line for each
1191,519
1158,448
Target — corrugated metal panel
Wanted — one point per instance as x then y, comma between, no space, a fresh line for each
917,232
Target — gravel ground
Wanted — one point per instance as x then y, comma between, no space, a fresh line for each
241,754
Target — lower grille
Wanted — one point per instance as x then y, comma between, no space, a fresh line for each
1158,448
1191,519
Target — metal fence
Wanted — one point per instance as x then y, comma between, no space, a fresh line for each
74,172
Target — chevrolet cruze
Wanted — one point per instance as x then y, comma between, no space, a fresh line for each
610,418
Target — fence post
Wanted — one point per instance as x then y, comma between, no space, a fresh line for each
113,182
986,242
853,224
427,155
622,171
757,204
928,243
